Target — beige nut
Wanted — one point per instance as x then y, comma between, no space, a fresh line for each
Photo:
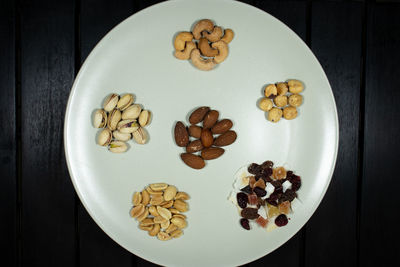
172,227
205,48
265,104
176,233
185,54
159,219
282,88
174,211
180,215
181,223
143,215
158,186
228,36
153,193
223,51
280,101
295,86
147,221
180,205
156,200
146,227
182,196
137,211
165,224
202,25
215,35
275,114
163,236
290,113
181,39
153,211
167,204
165,213
170,193
137,198
295,100
155,230
145,197
201,63
270,91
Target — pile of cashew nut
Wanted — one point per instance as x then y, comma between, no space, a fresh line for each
206,45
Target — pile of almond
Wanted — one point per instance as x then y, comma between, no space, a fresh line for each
158,209
207,140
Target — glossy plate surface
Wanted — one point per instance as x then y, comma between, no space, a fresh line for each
137,57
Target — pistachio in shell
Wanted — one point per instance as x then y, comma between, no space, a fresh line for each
132,112
125,101
100,118
128,126
110,102
104,137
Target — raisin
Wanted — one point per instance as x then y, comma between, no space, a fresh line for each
253,168
267,179
267,172
296,182
241,200
281,220
249,213
247,189
273,198
267,164
245,223
278,186
259,191
289,174
289,195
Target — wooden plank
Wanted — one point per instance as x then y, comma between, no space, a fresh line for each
293,14
378,221
8,151
47,73
338,47
97,17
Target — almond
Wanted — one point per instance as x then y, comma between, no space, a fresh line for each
194,146
193,161
212,153
195,131
207,138
222,126
198,115
210,119
181,134
225,139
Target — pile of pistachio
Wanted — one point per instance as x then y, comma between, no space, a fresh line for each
121,121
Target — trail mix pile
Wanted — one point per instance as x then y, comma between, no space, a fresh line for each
267,195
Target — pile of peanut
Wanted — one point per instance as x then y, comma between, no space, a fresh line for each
158,209
282,99
206,46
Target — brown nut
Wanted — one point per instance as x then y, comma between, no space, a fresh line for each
226,139
146,227
195,131
137,198
282,88
228,36
275,114
181,39
210,119
174,211
167,204
202,25
295,100
180,205
180,215
212,153
290,113
193,161
163,236
185,53
223,51
165,213
137,211
222,126
280,101
194,146
152,192
265,104
172,227
170,193
159,219
271,91
215,35
181,223
181,134
198,115
153,211
207,138
156,200
158,186
155,230
145,197
279,173
205,48
143,215
295,86
147,221
182,196
176,233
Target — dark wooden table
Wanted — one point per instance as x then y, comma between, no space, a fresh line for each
42,46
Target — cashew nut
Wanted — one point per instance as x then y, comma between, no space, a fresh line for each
201,63
202,25
215,35
223,51
181,39
206,49
185,54
228,36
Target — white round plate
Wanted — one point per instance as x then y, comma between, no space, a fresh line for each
137,57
